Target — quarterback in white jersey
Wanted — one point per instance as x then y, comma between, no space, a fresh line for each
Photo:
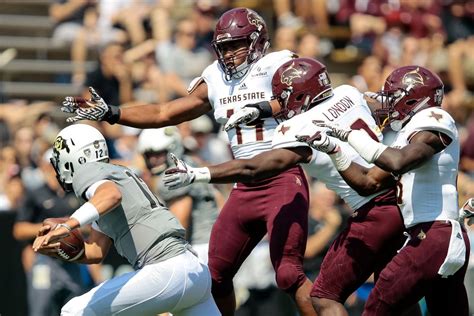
424,156
375,231
240,76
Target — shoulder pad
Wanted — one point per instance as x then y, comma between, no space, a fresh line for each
194,84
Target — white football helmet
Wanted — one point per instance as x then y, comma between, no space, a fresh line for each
155,144
74,146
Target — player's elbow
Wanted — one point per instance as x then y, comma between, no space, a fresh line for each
369,187
115,197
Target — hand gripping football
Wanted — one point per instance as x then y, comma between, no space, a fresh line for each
71,247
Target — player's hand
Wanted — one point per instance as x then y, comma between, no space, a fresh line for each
248,114
93,109
467,211
334,130
48,235
319,141
179,176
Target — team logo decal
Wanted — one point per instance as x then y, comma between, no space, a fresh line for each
96,144
60,144
413,78
254,19
436,116
289,74
81,160
283,129
87,152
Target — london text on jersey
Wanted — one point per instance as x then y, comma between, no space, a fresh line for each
243,97
338,108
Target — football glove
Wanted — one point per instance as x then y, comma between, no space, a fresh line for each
334,130
467,211
183,175
248,114
319,141
93,109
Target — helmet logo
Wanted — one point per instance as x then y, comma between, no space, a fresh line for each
289,74
87,152
254,19
413,78
96,144
60,144
81,160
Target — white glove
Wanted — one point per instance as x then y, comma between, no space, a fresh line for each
467,211
320,141
248,114
183,175
334,130
94,109
244,116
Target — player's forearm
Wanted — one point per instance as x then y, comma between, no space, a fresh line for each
241,170
358,178
164,114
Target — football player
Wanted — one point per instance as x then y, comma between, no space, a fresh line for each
194,206
424,158
241,76
168,275
375,231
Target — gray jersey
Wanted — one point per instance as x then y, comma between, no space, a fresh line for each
204,209
142,228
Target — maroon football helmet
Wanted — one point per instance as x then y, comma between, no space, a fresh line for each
408,90
240,24
298,85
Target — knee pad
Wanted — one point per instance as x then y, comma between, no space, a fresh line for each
290,277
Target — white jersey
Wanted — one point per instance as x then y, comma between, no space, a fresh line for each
348,109
428,193
227,97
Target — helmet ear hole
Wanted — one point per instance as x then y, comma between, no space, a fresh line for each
299,97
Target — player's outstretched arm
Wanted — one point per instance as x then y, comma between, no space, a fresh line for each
262,166
141,116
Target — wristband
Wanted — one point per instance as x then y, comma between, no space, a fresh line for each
86,214
113,114
340,160
367,148
264,108
202,175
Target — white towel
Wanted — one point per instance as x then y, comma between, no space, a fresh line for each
456,255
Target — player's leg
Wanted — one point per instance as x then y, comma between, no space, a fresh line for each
175,284
371,238
287,225
448,295
413,273
234,234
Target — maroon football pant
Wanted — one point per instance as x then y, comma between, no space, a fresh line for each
413,273
277,206
371,238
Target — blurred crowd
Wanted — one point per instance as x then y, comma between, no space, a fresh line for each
150,50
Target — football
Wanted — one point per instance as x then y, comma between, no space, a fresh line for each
71,247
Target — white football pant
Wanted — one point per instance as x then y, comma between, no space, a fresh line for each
180,285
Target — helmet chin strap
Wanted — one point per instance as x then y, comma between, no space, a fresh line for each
397,125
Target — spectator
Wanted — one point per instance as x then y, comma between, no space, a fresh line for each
181,60
112,76
69,17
